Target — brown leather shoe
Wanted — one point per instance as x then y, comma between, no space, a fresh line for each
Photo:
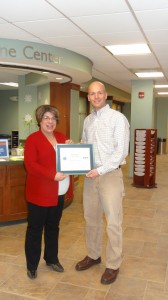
86,263
109,276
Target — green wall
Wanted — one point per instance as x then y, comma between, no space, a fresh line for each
74,116
161,117
10,118
43,94
27,104
8,112
127,111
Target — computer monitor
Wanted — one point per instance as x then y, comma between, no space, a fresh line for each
4,150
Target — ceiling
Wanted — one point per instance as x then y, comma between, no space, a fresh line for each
86,27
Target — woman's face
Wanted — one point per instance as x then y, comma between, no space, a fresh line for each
48,123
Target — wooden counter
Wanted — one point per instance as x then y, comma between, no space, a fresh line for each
12,191
13,205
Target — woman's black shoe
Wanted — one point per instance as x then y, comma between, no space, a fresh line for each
31,274
56,267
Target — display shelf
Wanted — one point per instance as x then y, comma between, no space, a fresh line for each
145,149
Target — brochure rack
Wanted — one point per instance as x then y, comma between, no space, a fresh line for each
15,139
145,149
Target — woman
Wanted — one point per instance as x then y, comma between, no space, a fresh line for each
44,205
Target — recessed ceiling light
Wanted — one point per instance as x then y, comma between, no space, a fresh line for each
161,86
14,84
135,49
149,74
59,78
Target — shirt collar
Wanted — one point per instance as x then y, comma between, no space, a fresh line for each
101,110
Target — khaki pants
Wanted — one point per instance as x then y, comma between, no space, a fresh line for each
104,194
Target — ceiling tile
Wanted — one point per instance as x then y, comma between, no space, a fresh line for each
86,8
120,22
134,62
157,36
153,19
87,26
148,4
50,28
116,37
9,31
27,10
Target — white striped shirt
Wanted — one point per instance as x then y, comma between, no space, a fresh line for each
108,131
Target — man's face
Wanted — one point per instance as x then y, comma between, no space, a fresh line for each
97,95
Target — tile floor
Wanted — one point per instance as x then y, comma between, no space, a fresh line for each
144,270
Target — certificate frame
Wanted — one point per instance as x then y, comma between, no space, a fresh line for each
74,159
4,150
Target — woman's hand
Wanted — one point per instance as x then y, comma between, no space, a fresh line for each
60,176
69,142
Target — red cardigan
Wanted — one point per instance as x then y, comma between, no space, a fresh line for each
40,163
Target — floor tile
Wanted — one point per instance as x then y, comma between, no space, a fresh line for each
144,270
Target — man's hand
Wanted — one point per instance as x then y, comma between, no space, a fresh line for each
92,174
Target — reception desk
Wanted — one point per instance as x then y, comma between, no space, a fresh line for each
13,204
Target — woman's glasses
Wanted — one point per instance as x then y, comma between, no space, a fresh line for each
46,118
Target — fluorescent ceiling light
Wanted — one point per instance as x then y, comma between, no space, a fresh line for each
162,93
129,49
149,74
14,84
161,86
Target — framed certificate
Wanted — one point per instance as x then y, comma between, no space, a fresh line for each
74,159
4,151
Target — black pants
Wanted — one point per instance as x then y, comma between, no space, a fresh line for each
43,219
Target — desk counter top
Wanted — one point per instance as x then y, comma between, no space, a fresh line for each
12,160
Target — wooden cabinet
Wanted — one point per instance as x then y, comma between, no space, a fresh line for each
60,96
145,150
13,205
12,192
2,188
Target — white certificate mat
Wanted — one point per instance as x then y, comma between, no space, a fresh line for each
63,185
74,158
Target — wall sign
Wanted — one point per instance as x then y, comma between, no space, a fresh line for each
141,95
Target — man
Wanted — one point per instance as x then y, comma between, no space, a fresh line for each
108,131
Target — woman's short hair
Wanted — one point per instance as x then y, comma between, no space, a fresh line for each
42,109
